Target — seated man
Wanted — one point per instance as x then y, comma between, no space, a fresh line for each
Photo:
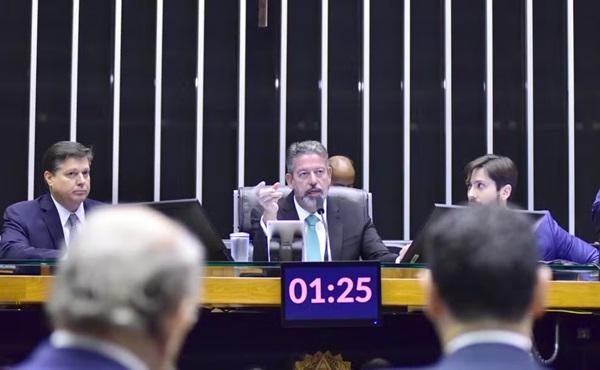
491,179
351,232
596,214
483,288
342,171
125,298
36,229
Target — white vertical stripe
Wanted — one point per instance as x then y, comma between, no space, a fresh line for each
116,101
448,96
242,94
32,96
324,66
571,112
529,92
366,93
157,98
406,120
283,90
489,75
74,70
200,100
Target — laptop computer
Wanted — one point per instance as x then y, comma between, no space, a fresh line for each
190,213
416,251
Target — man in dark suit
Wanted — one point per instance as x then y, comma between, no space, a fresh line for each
491,179
37,229
351,232
596,214
125,298
484,288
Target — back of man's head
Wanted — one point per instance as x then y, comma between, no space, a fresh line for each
483,263
342,171
129,270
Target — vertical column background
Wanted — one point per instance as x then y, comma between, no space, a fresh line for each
344,67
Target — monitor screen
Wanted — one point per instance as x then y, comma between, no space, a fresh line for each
330,294
190,213
416,251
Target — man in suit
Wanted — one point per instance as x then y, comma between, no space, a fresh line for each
36,229
491,179
483,288
126,297
351,232
596,214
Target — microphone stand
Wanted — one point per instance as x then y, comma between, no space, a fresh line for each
321,211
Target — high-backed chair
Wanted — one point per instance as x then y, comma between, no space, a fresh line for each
245,200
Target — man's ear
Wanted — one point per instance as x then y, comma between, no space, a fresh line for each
48,177
288,179
506,191
538,299
434,306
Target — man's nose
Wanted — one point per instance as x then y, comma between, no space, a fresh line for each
470,194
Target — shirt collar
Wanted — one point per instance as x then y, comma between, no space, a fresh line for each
303,214
489,336
121,355
64,213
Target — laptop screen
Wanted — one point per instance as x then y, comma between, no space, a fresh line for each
416,251
190,213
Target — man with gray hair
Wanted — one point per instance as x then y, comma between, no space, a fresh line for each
126,296
352,234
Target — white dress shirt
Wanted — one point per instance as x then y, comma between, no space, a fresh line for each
489,336
64,214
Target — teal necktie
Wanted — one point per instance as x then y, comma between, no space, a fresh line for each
313,249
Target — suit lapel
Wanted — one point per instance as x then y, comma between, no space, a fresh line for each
336,228
287,208
52,220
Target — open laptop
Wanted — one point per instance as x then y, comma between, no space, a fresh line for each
416,251
190,213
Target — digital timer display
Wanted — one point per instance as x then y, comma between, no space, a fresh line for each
330,294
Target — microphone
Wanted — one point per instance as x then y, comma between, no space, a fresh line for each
321,211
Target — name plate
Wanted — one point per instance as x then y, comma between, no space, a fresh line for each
330,294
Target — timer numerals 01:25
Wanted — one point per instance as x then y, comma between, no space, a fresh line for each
316,285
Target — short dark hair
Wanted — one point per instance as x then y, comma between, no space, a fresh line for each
483,261
500,169
63,150
304,147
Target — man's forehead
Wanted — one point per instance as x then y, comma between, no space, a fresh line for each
73,162
480,174
305,161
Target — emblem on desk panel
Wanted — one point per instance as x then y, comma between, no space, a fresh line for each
322,361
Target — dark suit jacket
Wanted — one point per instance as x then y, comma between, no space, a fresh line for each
596,214
487,356
48,357
32,229
351,232
554,242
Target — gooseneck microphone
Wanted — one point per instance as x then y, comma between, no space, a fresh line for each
321,211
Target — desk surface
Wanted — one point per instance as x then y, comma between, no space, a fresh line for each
400,287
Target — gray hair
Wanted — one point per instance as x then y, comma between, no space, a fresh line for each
128,269
304,147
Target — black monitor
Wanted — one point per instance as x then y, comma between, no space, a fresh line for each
190,213
416,251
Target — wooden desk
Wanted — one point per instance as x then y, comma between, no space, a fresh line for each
262,291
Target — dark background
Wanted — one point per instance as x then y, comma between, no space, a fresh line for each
219,148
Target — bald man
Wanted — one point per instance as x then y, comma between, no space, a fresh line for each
342,171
